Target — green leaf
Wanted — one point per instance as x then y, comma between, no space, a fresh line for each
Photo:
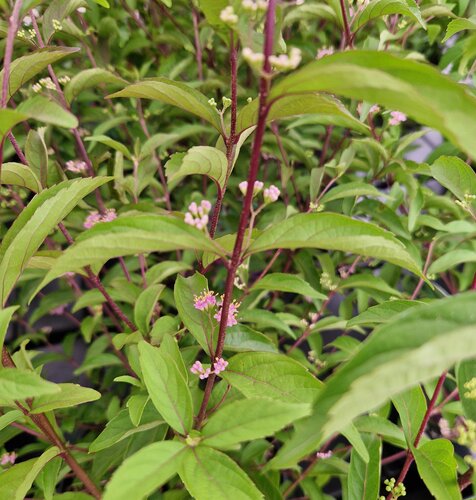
5,318
241,338
330,231
111,143
203,160
36,154
416,89
8,119
451,260
17,174
382,313
9,417
249,419
196,322
145,471
379,8
411,407
324,109
350,189
144,306
167,387
446,335
17,481
25,68
364,477
43,110
175,93
169,346
209,474
103,3
90,78
287,283
454,174
457,25
275,376
437,467
70,395
23,384
129,236
58,10
466,374
34,224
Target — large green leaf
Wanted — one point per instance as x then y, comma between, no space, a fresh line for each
351,189
8,119
382,313
416,89
167,387
174,93
411,407
209,475
145,471
275,376
457,25
17,481
437,467
42,109
129,236
249,419
90,78
203,160
364,477
325,109
23,384
17,174
451,260
379,8
331,231
26,67
33,225
290,283
70,395
144,306
241,338
446,335
454,174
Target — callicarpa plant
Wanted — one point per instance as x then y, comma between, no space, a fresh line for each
237,250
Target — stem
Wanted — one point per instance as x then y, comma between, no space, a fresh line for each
198,46
425,270
347,34
245,214
421,430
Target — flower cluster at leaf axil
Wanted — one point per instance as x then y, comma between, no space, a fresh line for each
76,166
207,300
218,366
396,490
8,458
197,214
270,194
94,217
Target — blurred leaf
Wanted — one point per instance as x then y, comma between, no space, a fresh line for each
282,282
90,78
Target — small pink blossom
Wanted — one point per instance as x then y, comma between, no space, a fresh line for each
204,301
58,311
197,215
397,117
76,166
219,365
258,186
374,109
8,458
324,454
271,194
325,51
94,217
197,369
232,312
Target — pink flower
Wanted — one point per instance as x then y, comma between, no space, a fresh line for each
219,365
197,369
232,312
197,215
271,194
204,301
58,311
8,458
325,51
258,186
397,118
374,109
76,166
322,454
94,217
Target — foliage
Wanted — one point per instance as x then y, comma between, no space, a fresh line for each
234,262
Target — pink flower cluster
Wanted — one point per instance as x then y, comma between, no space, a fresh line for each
257,187
76,166
204,301
325,51
324,454
9,458
218,367
94,217
232,312
197,215
397,117
271,194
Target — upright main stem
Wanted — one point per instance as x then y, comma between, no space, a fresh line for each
245,214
